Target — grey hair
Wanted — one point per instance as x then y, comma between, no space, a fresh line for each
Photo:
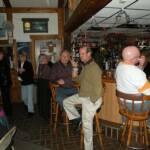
88,49
64,51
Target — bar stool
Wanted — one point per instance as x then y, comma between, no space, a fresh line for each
98,130
132,115
55,106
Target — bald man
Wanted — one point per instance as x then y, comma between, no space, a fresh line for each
131,55
130,78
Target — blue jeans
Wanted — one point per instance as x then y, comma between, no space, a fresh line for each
27,96
138,109
62,93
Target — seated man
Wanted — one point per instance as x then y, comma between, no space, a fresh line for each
130,78
61,73
90,95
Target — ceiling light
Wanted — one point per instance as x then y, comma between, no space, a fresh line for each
123,14
122,1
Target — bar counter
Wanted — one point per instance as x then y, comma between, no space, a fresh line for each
110,108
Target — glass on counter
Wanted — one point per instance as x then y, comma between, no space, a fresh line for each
108,74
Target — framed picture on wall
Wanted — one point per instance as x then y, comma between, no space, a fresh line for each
3,34
23,46
35,25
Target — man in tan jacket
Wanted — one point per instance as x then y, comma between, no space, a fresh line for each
90,95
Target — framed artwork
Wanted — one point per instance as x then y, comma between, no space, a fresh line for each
23,46
3,34
35,25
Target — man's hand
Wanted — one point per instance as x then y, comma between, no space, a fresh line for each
21,70
60,81
74,69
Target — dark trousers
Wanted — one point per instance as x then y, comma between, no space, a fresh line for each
7,105
62,93
43,98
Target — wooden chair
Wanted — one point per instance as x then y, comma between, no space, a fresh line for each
53,103
55,107
5,141
98,131
132,115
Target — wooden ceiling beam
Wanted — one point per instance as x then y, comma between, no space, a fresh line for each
85,10
31,10
7,3
60,3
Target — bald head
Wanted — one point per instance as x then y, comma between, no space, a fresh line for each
131,54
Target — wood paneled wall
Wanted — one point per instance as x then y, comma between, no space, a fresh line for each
15,94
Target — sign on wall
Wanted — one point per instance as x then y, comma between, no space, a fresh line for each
35,25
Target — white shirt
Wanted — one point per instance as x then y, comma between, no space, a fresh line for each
131,79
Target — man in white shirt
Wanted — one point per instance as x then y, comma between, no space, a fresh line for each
130,78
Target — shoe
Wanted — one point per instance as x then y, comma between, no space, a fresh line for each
30,115
25,107
77,126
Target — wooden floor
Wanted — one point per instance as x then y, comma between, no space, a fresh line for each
38,131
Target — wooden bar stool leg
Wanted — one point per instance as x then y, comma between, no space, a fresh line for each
56,118
129,133
141,132
124,130
145,133
67,124
81,139
98,129
111,132
51,111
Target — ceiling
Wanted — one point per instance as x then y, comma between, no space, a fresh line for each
118,16
1,3
32,3
121,16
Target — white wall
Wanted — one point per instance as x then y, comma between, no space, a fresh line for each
20,36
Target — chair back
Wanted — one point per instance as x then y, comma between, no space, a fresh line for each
7,138
128,104
53,87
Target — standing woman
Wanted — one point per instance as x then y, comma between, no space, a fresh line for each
43,92
5,83
26,76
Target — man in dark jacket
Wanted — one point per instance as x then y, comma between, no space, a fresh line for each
5,83
62,74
